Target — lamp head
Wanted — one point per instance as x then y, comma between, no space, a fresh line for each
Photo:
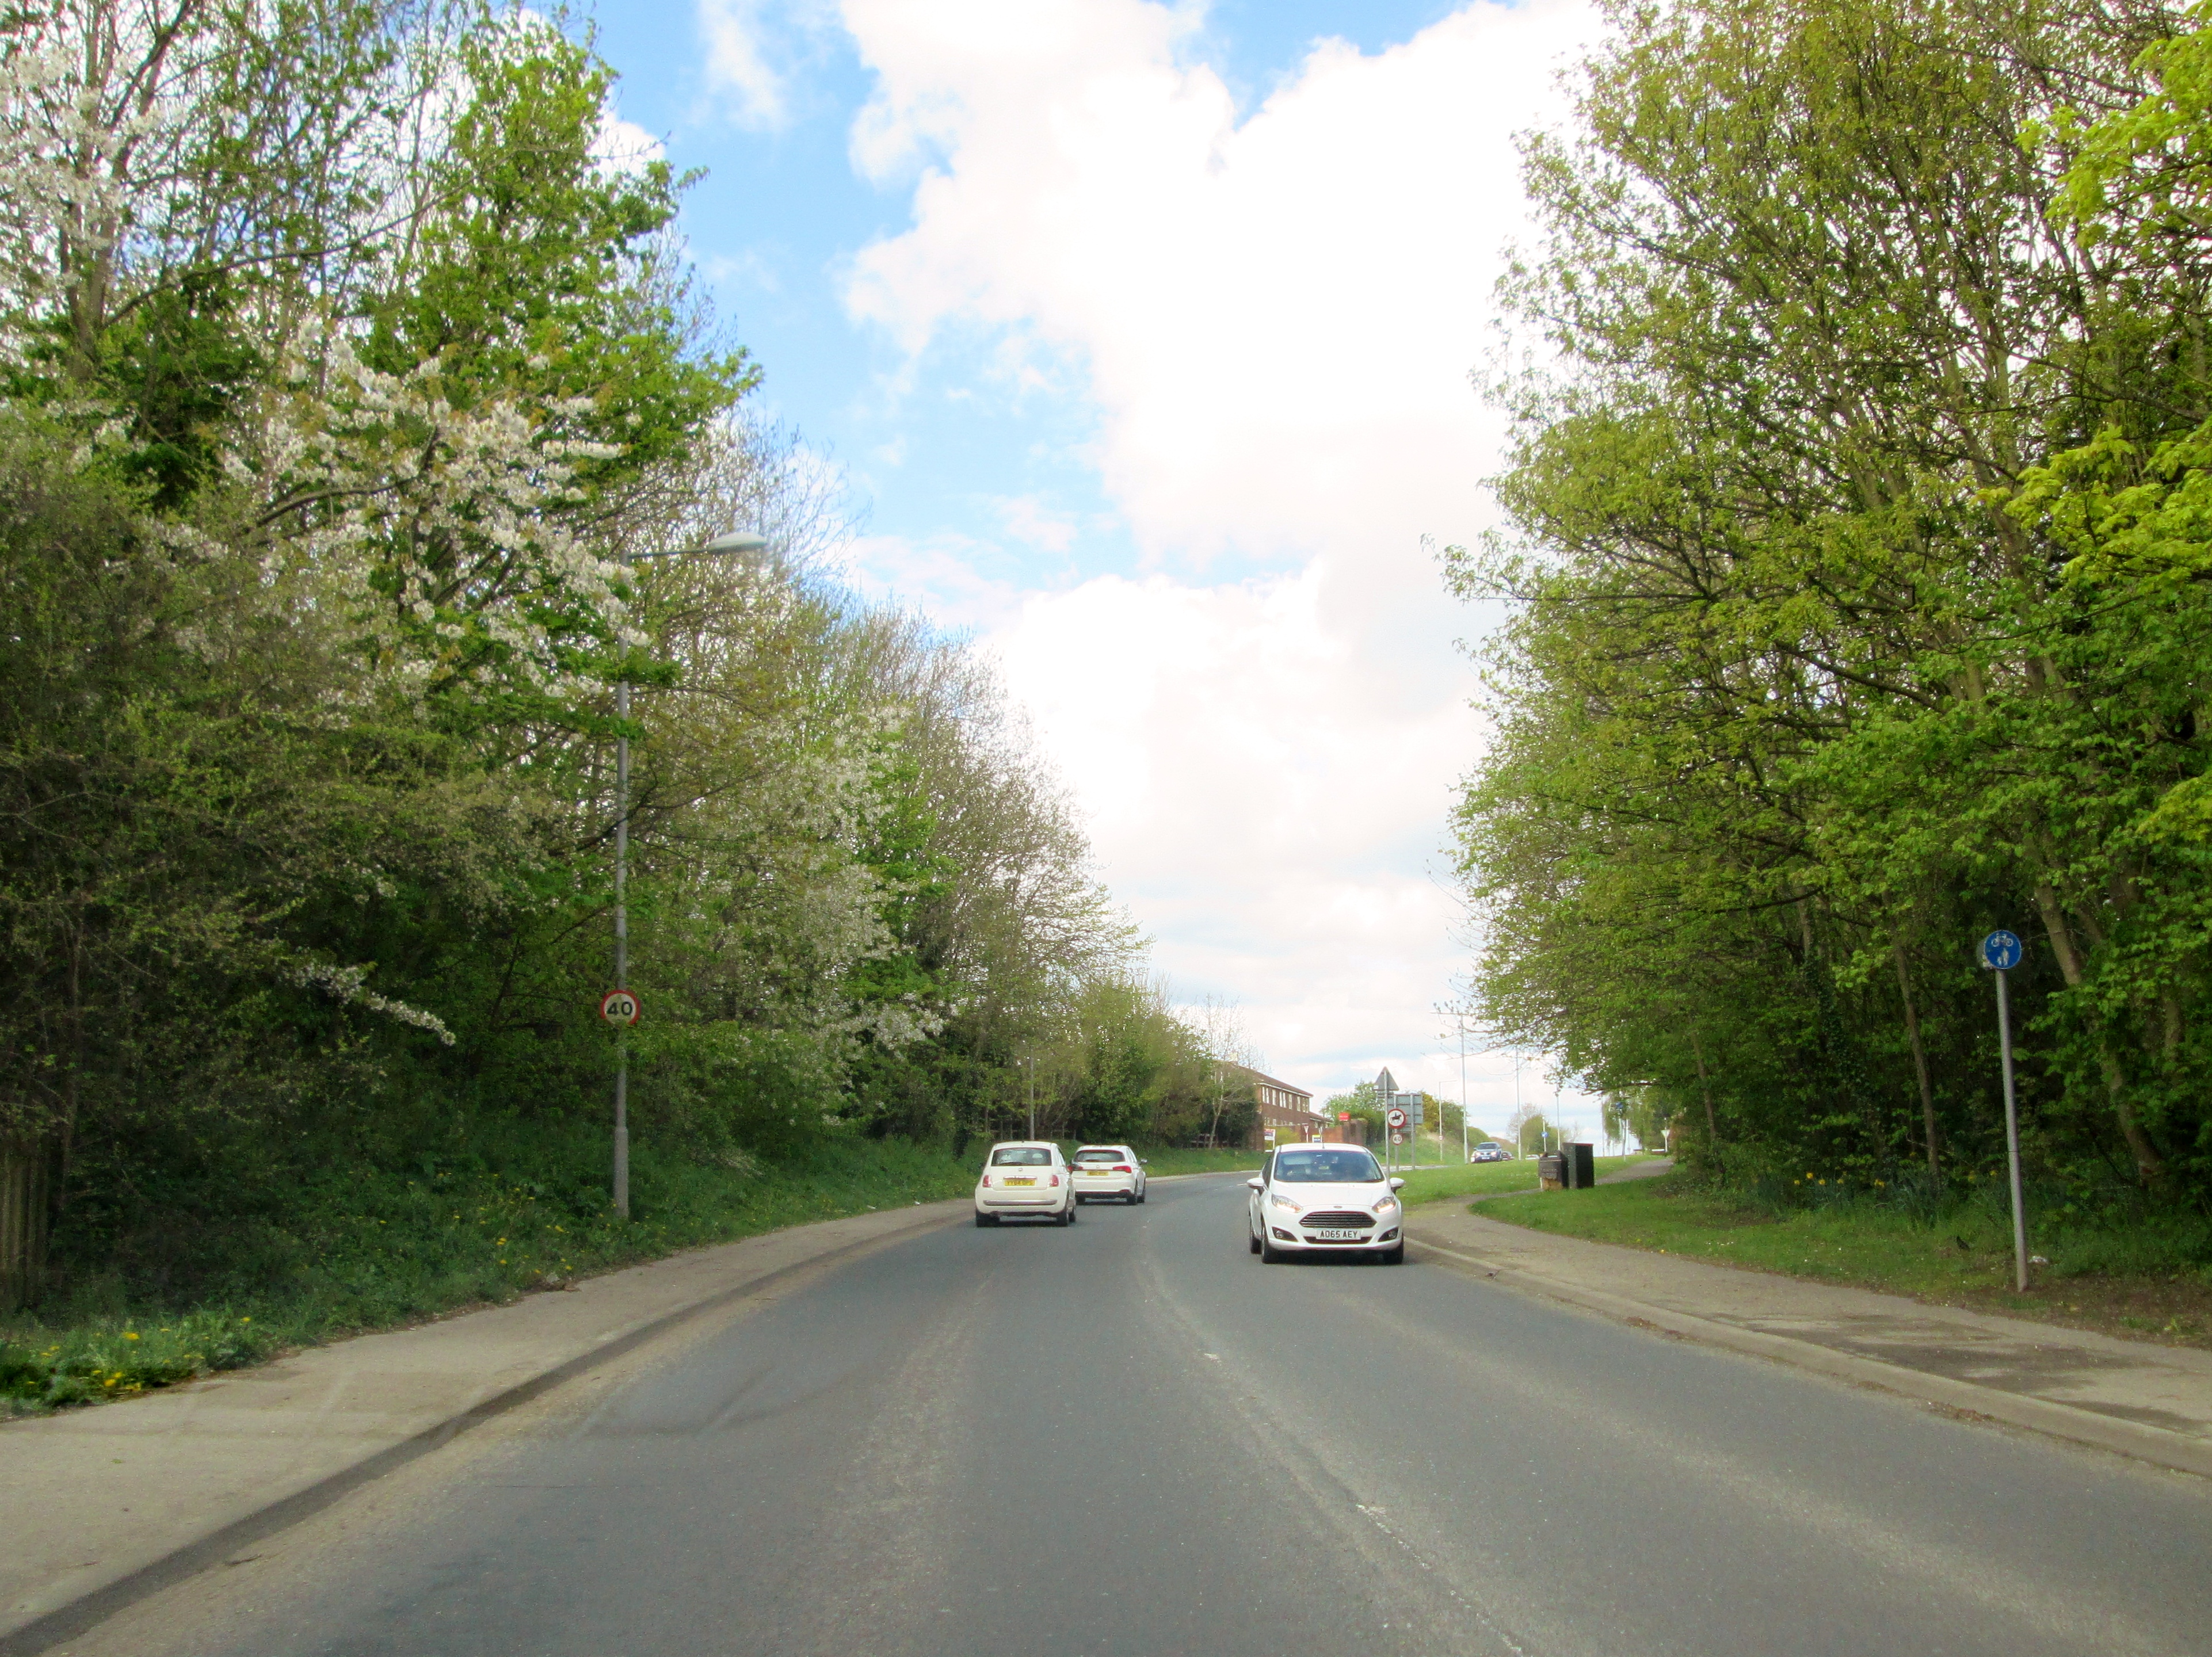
737,541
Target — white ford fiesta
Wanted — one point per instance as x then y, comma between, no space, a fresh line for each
1025,1179
1315,1198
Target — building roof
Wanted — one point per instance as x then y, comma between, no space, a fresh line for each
1261,1078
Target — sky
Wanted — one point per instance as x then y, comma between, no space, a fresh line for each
1146,336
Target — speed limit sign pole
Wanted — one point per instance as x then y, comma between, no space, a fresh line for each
622,949
2001,953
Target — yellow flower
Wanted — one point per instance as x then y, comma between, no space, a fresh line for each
129,1335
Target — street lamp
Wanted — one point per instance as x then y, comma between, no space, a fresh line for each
734,541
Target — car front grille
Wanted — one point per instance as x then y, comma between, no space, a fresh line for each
1337,1221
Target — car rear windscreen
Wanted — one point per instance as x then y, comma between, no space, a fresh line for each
1097,1155
1021,1156
1326,1168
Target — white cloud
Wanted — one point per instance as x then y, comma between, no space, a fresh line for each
1030,521
946,576
738,50
1277,317
624,146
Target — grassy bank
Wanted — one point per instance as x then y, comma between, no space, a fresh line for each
363,1245
1430,1184
1166,1159
2147,1279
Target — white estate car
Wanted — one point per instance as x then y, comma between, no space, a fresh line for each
1103,1171
1025,1179
1312,1198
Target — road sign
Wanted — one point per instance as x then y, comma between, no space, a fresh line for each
1344,1116
1397,1138
1395,1118
2001,951
620,1007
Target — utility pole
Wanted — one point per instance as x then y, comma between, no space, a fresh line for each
1463,1093
734,541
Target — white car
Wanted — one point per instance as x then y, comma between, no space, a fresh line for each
1311,1200
1103,1171
1025,1179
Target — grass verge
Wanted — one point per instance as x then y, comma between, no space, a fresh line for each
2146,1281
1487,1180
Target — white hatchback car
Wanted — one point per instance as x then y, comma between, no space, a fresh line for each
1025,1179
1103,1171
1314,1199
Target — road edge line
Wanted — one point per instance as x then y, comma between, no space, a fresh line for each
2137,1441
81,1615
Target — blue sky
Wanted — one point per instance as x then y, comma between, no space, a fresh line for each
1144,333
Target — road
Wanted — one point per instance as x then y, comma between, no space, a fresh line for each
1129,1436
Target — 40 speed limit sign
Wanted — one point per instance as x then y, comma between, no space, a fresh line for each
620,1007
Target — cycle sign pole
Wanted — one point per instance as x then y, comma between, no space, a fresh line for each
2001,952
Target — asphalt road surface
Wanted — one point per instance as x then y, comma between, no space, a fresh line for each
1130,1437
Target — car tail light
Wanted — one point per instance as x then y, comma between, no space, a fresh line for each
1055,1179
1123,1168
987,1180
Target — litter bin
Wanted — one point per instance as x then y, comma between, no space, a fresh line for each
1581,1172
1551,1171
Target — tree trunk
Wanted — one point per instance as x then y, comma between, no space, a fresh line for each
22,1221
2149,1168
1919,1066
1706,1085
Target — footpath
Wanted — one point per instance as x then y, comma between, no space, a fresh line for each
104,1505
2153,1403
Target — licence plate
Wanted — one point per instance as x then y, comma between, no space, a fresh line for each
1098,1172
1334,1235
1021,1182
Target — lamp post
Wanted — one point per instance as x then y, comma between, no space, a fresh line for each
735,541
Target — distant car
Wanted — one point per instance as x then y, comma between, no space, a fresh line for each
1103,1171
1025,1179
1314,1198
1488,1152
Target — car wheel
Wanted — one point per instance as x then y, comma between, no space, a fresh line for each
983,1219
1394,1256
1269,1254
1144,1193
1254,1241
1132,1200
1067,1216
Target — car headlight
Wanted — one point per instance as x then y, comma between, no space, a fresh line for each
1386,1204
1276,1199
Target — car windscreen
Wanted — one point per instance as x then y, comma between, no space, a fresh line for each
1021,1156
1488,1145
1326,1168
1097,1155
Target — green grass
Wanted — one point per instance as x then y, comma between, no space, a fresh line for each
1164,1159
2148,1276
355,1247
1430,1184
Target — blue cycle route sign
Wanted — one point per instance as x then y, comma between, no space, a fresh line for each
2001,951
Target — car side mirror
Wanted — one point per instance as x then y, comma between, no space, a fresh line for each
1397,1185
1256,1183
